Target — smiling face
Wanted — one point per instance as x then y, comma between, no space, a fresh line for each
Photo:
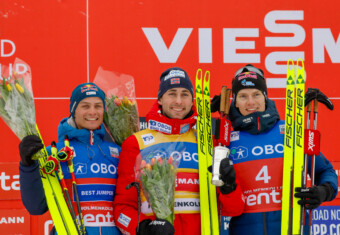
249,101
176,103
89,113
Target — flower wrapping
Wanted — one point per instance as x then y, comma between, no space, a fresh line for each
17,105
121,114
158,178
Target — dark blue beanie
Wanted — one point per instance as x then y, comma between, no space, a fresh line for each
83,91
173,78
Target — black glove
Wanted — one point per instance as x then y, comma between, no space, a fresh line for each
28,146
215,103
228,176
155,227
312,197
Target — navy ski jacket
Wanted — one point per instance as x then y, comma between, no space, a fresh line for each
95,162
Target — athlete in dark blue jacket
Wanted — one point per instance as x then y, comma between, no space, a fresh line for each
256,148
95,162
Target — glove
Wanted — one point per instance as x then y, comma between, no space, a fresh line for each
312,197
28,146
228,176
155,227
215,103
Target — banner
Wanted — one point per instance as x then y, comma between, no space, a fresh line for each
66,42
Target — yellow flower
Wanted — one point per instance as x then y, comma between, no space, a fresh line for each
9,88
19,88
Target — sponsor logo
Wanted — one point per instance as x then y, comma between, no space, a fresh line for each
282,129
12,220
175,73
264,198
124,220
148,139
267,149
184,128
247,83
88,87
114,152
91,93
234,136
247,75
311,144
175,81
103,168
238,152
156,222
9,181
247,120
99,219
80,168
159,126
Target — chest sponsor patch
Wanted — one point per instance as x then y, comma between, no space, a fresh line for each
235,135
114,152
148,139
282,129
124,220
159,126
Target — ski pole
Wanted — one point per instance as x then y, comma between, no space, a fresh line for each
63,184
69,152
137,186
314,94
223,128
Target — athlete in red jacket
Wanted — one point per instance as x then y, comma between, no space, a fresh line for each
170,132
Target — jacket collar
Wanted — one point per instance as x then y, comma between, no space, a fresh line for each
157,121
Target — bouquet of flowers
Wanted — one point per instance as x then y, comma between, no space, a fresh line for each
121,114
17,106
121,117
158,178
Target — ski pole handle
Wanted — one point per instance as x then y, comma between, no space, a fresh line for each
222,102
220,152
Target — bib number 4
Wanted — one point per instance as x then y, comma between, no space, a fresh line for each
263,175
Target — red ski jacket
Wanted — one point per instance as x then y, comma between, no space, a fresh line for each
170,137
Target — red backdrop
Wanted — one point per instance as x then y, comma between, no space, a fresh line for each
65,42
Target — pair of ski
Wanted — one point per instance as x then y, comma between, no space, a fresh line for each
294,160
60,213
208,198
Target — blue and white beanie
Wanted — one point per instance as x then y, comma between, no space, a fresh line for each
83,91
173,78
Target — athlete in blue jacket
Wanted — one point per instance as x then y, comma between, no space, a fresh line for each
95,162
256,147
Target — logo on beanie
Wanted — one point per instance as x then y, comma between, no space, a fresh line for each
247,75
247,83
174,81
88,87
175,73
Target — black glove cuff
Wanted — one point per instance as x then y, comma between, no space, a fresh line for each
329,191
226,189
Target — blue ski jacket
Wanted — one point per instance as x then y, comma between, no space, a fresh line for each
95,165
257,155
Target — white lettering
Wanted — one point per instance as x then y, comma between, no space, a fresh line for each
205,45
103,168
11,44
298,32
157,43
323,39
230,45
